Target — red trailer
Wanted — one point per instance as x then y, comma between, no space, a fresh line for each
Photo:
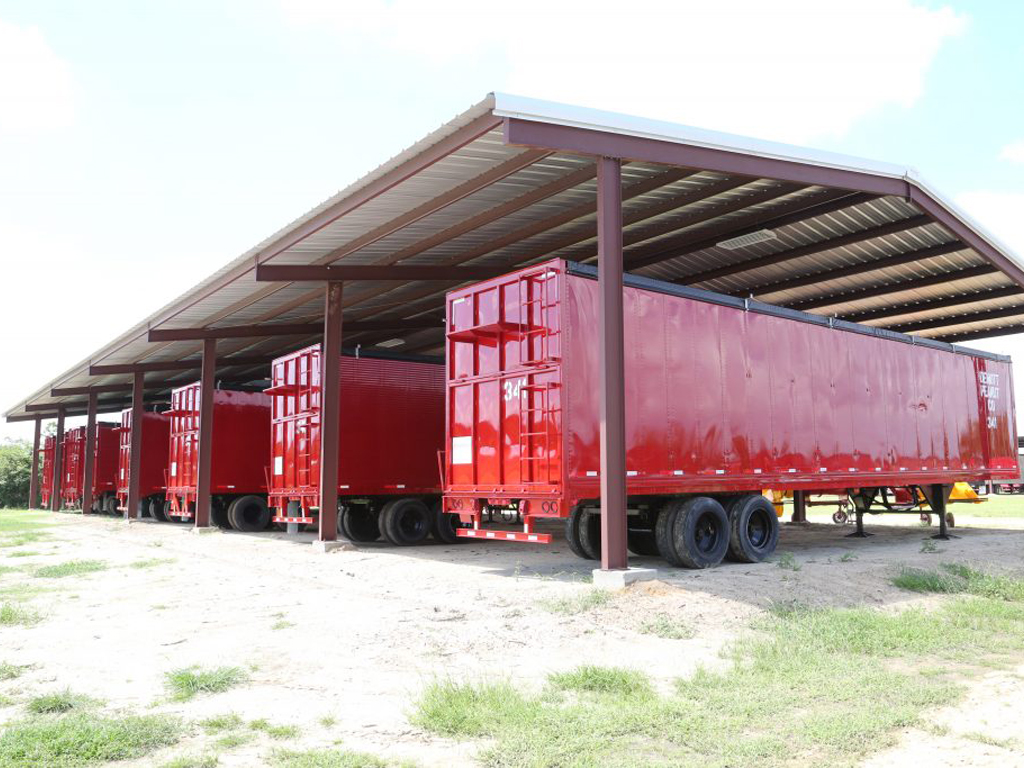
241,440
104,486
156,430
724,397
392,429
46,486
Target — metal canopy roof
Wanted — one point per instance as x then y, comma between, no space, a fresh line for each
512,181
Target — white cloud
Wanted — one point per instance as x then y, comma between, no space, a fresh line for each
790,69
999,213
1014,152
36,92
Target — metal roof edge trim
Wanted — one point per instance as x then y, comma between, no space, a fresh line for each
759,307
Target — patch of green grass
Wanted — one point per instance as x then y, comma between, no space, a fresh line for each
666,627
328,720
58,703
617,681
957,578
152,562
812,686
21,539
275,731
22,553
992,741
281,624
579,603
233,740
70,568
7,569
10,671
224,722
193,761
324,758
11,615
187,682
787,562
80,739
848,557
929,547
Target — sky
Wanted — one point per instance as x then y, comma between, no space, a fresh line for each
142,145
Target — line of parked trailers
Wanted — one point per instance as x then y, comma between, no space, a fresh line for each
724,397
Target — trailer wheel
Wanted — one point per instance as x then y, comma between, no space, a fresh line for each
219,515
358,523
170,517
642,542
663,531
446,524
700,533
110,505
753,529
156,509
405,521
950,520
249,514
572,531
590,534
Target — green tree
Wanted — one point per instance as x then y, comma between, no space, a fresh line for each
15,470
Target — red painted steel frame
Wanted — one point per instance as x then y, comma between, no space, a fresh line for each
718,400
73,464
391,426
330,432
241,440
46,486
155,441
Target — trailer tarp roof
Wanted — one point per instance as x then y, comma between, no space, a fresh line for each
512,181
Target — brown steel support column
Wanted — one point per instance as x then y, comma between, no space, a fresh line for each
89,460
58,461
135,448
33,481
799,507
613,389
330,411
204,475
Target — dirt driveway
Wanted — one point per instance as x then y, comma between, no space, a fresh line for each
353,636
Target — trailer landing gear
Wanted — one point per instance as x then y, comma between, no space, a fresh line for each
860,533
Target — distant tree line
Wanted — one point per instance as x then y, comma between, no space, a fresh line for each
15,472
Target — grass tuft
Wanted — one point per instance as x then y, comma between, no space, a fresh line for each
224,722
80,739
616,681
23,553
58,703
275,731
232,740
324,758
666,627
10,671
576,604
70,568
187,682
12,615
152,562
193,761
787,562
957,578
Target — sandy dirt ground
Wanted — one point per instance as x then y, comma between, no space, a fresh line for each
360,632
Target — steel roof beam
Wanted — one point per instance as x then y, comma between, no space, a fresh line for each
914,307
1004,330
98,388
890,288
296,273
852,270
952,320
792,212
803,251
175,365
289,329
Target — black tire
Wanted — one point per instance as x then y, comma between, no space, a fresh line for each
405,522
643,542
700,533
753,529
663,527
110,505
358,523
172,518
219,515
572,531
446,524
156,509
590,534
249,514
950,520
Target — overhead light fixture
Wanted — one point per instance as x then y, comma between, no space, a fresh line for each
761,236
387,344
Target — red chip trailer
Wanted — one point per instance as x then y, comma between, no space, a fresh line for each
156,428
241,438
724,397
392,430
46,486
104,487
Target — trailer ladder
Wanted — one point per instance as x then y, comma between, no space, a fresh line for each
529,435
534,291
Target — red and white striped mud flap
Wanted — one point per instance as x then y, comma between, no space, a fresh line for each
484,533
301,520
